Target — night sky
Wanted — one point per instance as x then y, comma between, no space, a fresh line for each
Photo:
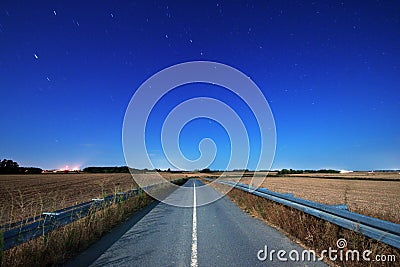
330,71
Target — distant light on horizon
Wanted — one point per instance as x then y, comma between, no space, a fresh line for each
68,168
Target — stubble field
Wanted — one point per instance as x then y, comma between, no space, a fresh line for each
23,196
372,194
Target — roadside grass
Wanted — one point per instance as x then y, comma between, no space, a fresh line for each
309,231
68,241
65,242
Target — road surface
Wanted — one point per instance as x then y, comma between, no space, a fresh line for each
217,234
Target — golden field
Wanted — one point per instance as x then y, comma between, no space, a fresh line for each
23,196
372,194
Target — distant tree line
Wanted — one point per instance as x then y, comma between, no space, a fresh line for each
291,171
121,169
168,170
8,166
207,170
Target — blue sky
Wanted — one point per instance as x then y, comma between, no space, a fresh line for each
330,71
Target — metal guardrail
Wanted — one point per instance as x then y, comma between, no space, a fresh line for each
20,232
40,225
384,231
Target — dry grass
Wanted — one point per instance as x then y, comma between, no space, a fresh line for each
61,244
309,231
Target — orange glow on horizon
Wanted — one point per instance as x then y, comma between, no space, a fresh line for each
67,168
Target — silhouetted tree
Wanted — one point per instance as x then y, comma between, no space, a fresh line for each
9,166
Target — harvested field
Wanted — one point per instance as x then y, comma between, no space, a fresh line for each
351,175
23,196
374,198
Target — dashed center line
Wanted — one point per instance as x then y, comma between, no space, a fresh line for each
194,231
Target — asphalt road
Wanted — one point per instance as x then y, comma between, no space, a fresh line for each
217,234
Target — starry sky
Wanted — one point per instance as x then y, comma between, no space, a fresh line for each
330,71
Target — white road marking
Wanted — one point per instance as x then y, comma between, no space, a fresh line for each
194,232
